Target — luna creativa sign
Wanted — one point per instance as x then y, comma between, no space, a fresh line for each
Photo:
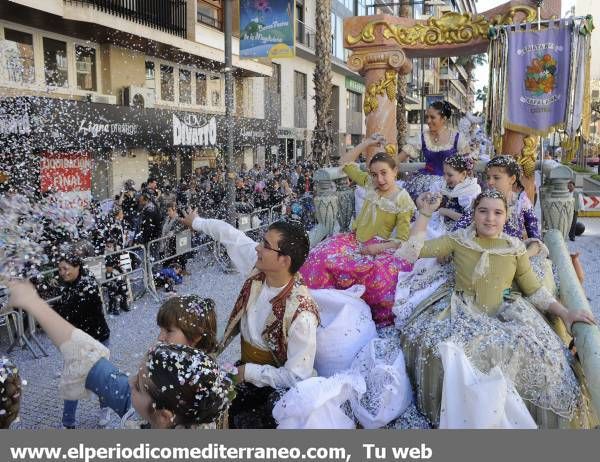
266,28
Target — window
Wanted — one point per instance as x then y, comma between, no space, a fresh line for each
361,8
85,65
150,76
185,86
167,83
55,62
210,12
337,30
215,87
299,99
300,23
414,117
17,49
354,102
595,94
201,89
277,78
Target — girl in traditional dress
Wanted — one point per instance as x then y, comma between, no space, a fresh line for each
437,144
458,194
494,325
348,259
504,175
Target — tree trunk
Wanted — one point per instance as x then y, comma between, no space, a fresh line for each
322,141
401,122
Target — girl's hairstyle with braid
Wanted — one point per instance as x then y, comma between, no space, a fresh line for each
510,166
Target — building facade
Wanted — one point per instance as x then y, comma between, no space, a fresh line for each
294,108
137,87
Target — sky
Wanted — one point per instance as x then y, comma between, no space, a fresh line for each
481,72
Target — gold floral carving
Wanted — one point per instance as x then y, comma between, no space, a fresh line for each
387,85
529,154
450,28
498,143
390,149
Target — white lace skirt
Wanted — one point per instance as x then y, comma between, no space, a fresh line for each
518,339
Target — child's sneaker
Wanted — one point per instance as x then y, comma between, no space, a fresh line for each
103,416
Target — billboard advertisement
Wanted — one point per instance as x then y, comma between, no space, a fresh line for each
266,28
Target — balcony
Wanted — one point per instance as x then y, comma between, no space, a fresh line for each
448,74
305,35
165,15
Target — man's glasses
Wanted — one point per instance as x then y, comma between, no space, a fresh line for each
268,246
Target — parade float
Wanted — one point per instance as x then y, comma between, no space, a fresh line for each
381,49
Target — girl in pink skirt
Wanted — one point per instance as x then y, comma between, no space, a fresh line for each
366,255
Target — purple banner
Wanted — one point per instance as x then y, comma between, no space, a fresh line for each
537,79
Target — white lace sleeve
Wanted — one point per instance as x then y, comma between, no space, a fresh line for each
541,299
80,353
411,249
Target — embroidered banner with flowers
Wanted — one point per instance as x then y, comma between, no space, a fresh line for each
538,67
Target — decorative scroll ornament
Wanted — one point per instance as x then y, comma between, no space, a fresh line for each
390,149
386,85
529,155
450,28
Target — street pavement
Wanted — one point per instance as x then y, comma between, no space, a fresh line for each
132,333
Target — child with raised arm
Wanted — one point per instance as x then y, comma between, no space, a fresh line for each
365,255
176,386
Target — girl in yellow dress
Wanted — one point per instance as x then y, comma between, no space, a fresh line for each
348,259
489,320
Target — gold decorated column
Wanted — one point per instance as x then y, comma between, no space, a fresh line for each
380,68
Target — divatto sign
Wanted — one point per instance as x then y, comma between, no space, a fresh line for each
190,131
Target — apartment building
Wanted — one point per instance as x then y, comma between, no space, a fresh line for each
294,86
134,87
433,79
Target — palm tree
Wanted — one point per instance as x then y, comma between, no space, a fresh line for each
322,141
481,95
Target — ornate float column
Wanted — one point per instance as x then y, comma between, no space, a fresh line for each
380,67
557,202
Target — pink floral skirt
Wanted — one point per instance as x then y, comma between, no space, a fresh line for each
337,263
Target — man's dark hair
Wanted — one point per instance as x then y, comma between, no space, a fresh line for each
294,242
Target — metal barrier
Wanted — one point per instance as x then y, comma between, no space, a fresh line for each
183,245
49,291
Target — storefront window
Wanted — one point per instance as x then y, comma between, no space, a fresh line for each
150,75
85,64
185,86
55,62
167,83
215,84
17,48
354,103
200,89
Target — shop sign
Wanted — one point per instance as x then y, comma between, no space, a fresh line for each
354,85
189,131
94,129
69,174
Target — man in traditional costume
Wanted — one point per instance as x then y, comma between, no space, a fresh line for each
274,314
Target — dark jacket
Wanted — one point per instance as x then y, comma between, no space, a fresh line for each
150,224
80,304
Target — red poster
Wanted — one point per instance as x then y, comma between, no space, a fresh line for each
69,174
